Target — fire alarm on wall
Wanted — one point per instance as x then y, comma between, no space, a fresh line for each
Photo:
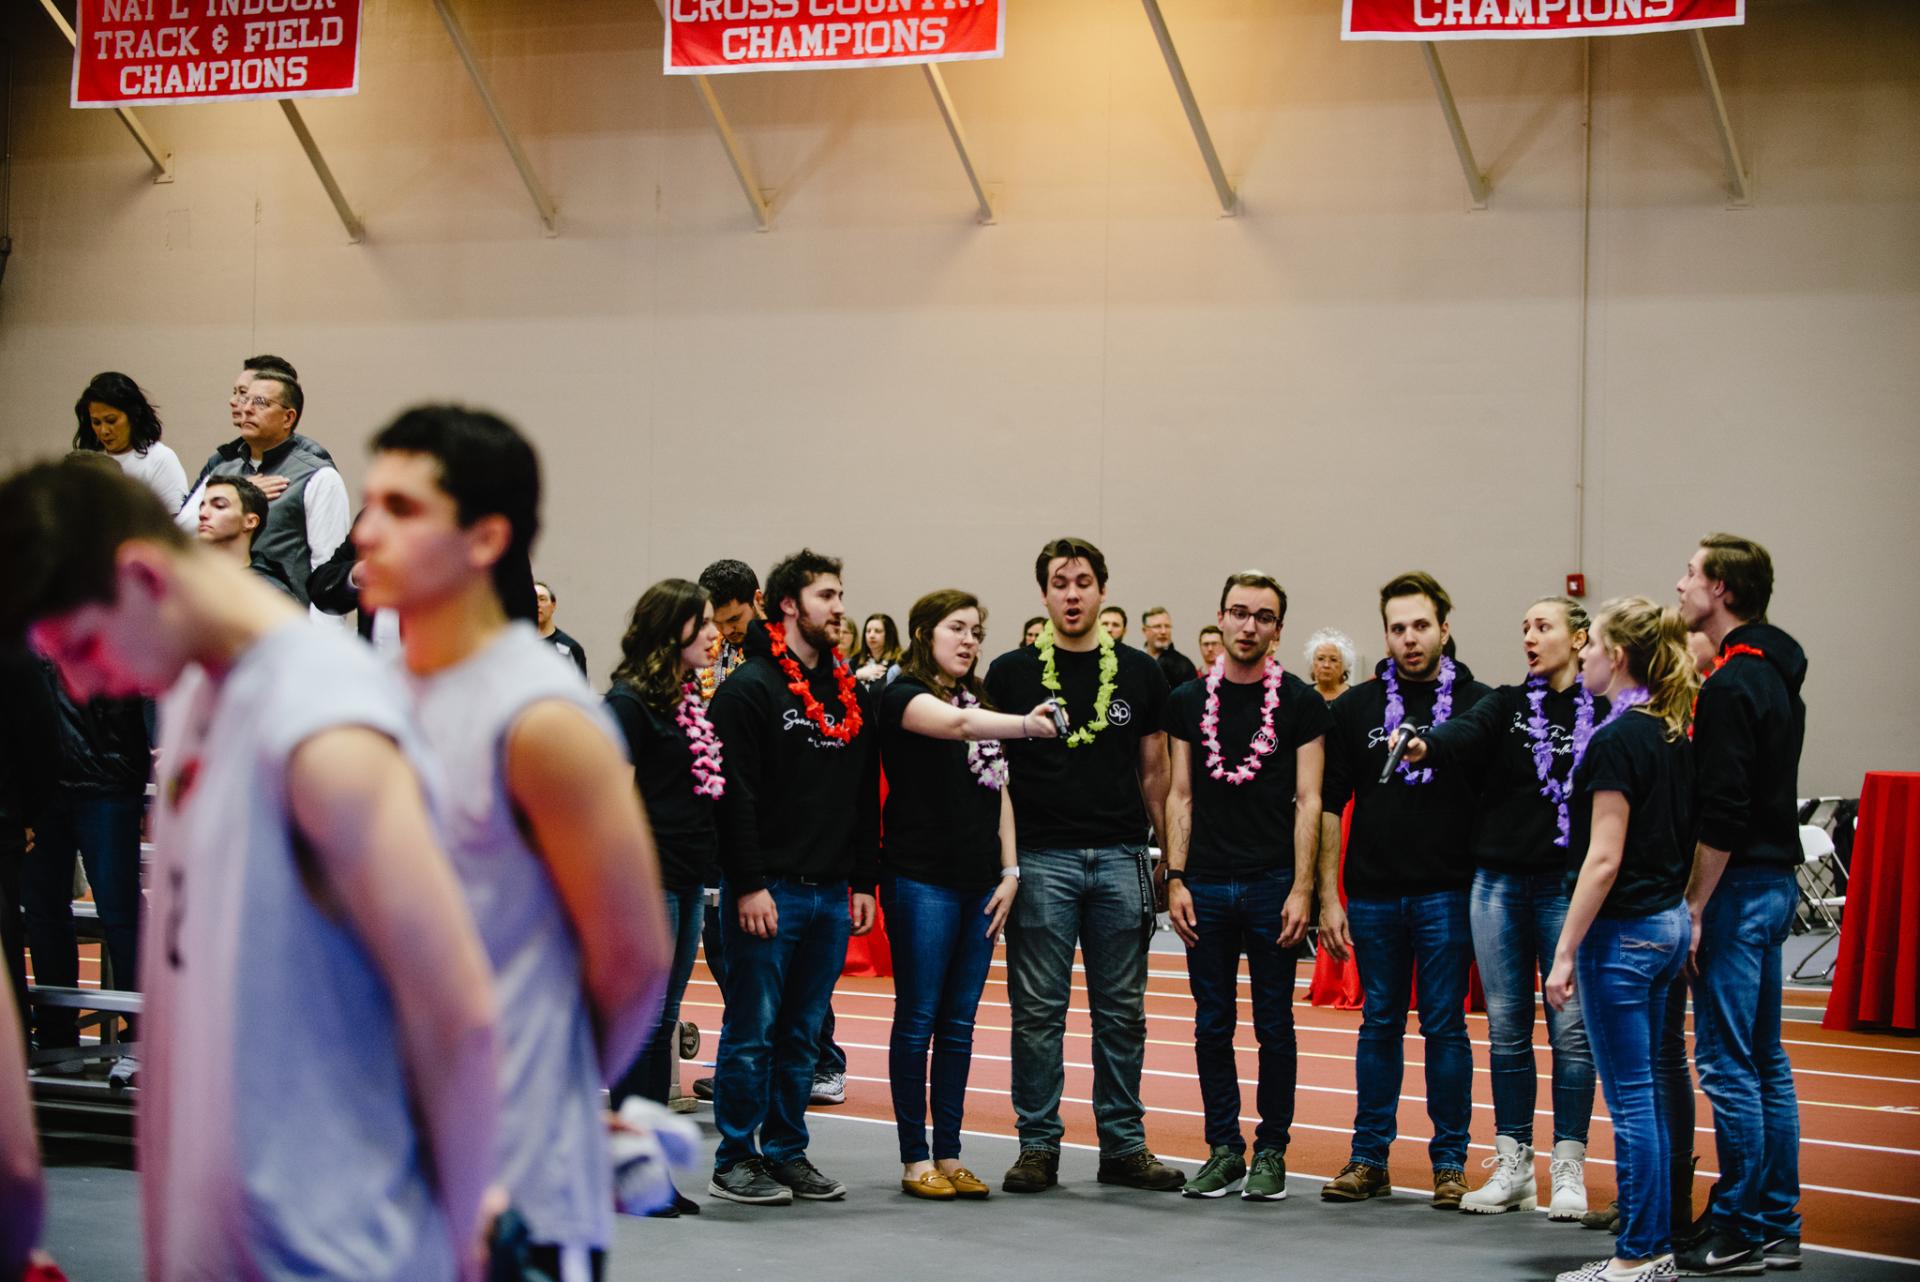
1576,585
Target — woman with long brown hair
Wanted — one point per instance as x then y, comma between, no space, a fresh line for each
677,768
949,873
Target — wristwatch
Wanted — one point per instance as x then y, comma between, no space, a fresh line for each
1176,874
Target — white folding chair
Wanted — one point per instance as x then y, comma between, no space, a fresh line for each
1821,882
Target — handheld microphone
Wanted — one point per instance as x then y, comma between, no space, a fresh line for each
1403,734
1059,718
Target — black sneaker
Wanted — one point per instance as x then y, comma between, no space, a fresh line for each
748,1182
1035,1170
1782,1253
807,1180
1720,1255
703,1088
1141,1170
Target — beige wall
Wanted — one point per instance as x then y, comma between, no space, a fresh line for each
1356,376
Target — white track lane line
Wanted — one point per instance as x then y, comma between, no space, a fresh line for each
1305,1176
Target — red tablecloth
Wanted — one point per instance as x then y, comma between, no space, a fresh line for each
1877,979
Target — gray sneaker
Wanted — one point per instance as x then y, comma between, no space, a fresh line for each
829,1088
748,1182
807,1180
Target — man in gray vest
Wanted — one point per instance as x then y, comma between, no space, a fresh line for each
309,515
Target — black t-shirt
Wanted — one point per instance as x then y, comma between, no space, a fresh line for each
1241,830
1067,798
684,832
568,648
1633,756
940,824
1406,839
1515,827
1177,668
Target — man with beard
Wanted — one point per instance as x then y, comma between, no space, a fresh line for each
1748,730
1408,871
799,829
1243,827
1081,807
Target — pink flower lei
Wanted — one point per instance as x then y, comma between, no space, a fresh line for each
1397,711
985,758
691,717
1263,740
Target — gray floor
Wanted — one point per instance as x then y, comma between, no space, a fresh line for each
1080,1230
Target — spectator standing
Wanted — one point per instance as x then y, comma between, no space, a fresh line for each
1113,621
1212,645
308,513
1030,630
544,601
879,651
1156,627
232,510
1330,660
114,415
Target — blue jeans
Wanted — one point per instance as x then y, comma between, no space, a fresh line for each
713,941
1092,896
1516,921
1232,918
1743,1066
1627,967
777,994
105,832
651,1075
1390,938
941,955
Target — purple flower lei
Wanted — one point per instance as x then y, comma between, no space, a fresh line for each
984,756
1538,730
708,781
1397,711
1263,741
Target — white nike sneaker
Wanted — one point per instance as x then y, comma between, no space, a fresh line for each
1511,1186
1569,1167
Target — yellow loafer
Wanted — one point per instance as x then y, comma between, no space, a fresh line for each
966,1184
932,1185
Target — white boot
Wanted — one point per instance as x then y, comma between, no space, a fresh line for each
1511,1186
1569,1168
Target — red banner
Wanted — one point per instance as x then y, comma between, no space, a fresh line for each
135,52
705,37
1529,19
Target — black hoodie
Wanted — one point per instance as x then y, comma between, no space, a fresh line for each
1515,827
797,804
1406,839
1747,735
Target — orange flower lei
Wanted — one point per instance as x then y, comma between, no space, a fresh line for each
797,682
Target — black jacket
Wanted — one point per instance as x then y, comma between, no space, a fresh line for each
26,743
332,591
1747,734
1406,839
103,747
797,804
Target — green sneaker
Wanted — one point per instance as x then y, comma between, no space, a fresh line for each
1267,1182
1216,1179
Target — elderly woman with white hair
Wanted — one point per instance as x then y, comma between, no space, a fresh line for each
1330,658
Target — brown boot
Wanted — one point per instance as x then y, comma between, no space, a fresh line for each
1036,1169
1356,1183
1449,1186
1141,1170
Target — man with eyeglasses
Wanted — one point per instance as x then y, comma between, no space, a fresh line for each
1243,829
308,514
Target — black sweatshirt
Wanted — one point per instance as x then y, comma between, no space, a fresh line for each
684,830
1406,839
1514,825
797,804
1747,735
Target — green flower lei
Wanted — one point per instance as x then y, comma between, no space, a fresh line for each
1050,678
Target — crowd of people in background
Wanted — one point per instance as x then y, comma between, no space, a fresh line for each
485,887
